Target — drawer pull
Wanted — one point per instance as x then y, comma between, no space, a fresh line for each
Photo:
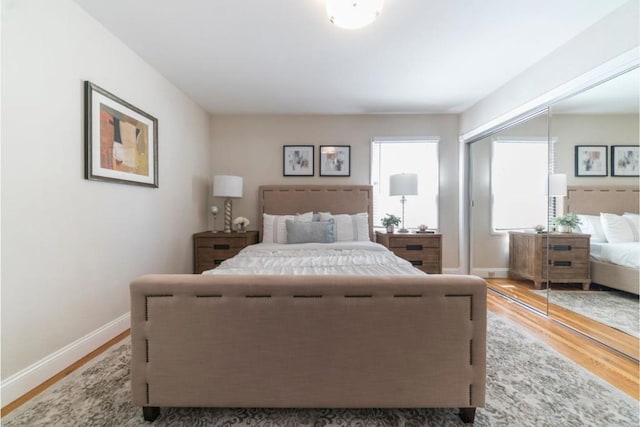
414,247
416,262
561,247
218,261
221,246
562,263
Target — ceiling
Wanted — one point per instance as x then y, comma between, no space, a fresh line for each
284,57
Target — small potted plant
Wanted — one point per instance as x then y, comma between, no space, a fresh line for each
566,222
390,221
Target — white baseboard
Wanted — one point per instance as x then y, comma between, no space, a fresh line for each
456,270
32,376
491,273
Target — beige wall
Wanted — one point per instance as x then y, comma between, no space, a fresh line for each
251,146
71,246
591,129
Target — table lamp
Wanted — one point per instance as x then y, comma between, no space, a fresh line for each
227,186
403,184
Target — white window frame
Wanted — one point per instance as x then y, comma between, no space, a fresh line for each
374,180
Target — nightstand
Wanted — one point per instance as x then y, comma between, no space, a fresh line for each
567,260
423,250
210,249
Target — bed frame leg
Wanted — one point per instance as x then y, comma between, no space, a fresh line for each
468,415
150,413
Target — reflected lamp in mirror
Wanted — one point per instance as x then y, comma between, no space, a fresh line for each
229,187
557,185
557,189
403,184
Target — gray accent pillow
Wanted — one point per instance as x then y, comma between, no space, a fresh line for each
310,232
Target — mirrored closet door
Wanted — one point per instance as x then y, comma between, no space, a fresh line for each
596,134
578,157
508,188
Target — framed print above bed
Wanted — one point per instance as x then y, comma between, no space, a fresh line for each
624,160
591,160
121,141
297,160
335,160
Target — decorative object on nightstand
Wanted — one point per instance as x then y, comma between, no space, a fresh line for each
403,184
210,249
390,221
214,213
423,251
230,187
240,224
566,223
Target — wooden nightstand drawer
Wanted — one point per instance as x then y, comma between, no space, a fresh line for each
423,251
210,249
561,258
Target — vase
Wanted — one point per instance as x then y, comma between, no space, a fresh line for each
390,229
564,228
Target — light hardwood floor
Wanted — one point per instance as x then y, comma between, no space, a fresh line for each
617,370
520,290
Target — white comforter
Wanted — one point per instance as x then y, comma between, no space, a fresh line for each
341,258
626,254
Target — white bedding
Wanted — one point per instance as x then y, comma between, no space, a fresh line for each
340,258
626,254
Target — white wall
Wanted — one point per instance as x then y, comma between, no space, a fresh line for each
71,246
616,35
251,146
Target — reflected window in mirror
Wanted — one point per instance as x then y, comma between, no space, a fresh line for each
519,170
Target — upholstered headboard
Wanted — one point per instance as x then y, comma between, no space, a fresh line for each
337,199
592,200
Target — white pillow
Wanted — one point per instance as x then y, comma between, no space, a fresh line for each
634,219
274,227
349,228
591,224
617,228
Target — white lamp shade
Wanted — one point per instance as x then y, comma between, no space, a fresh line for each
351,14
227,186
558,184
403,184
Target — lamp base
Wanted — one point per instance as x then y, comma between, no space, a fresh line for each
403,230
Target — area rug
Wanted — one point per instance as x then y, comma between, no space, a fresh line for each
528,384
620,310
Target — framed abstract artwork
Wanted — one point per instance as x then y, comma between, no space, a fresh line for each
121,141
624,160
591,160
335,160
297,160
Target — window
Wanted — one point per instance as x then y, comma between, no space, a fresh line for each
519,170
391,156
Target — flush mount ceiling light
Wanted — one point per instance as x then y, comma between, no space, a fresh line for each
353,14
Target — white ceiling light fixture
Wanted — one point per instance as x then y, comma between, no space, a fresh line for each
353,14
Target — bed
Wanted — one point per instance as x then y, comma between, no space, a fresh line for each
593,200
332,339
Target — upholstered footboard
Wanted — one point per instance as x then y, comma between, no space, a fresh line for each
308,341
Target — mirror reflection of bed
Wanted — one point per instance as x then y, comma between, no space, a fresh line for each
610,308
